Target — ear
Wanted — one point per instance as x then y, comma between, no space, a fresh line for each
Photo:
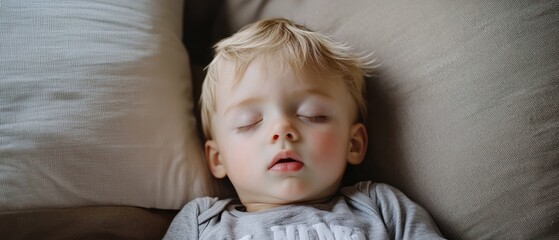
214,160
357,144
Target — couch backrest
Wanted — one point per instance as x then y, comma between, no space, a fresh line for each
464,109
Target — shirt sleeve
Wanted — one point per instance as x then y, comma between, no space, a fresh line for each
403,218
185,225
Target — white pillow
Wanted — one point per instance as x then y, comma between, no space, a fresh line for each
96,106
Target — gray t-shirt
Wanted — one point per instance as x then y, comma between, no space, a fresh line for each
365,210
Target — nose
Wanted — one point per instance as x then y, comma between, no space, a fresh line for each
285,131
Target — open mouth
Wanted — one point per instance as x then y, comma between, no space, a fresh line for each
286,161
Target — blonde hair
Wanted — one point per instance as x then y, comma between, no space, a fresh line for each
288,43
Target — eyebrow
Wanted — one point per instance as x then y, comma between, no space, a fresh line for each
244,102
314,91
254,100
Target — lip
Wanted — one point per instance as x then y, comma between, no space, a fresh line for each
287,154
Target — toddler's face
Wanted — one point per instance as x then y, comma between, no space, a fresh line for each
282,138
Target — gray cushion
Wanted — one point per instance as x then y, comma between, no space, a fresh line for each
96,106
464,109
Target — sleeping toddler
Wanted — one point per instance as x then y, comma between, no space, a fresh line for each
282,110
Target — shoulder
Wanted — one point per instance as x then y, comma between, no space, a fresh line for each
386,198
402,217
192,218
201,203
378,194
372,189
204,208
372,197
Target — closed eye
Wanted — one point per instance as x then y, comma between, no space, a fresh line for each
248,128
315,119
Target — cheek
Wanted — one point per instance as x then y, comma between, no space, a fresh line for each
231,148
328,143
237,156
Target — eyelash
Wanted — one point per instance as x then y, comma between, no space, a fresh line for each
248,128
315,119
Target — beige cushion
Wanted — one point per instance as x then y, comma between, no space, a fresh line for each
96,106
464,110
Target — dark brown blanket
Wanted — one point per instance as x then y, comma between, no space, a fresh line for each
86,223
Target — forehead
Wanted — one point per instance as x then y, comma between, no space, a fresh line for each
263,71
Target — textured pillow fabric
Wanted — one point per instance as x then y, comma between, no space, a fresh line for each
96,106
464,110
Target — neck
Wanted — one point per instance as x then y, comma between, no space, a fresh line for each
257,207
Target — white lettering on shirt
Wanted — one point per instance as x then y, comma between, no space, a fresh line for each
301,232
290,232
247,237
